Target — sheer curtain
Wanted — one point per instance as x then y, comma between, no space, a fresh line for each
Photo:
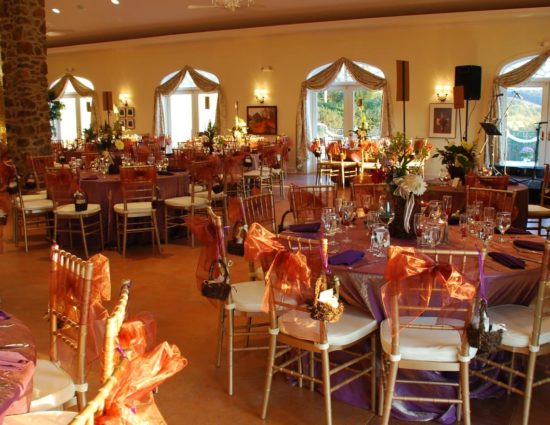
171,86
59,88
511,79
321,80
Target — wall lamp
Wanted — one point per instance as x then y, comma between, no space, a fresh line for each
442,92
260,94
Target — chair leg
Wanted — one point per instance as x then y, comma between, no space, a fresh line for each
101,232
465,391
83,231
390,388
528,387
373,382
300,371
117,231
311,370
156,231
325,365
230,333
124,234
511,375
221,331
248,330
25,236
55,224
165,225
269,372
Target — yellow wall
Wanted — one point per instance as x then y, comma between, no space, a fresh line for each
433,49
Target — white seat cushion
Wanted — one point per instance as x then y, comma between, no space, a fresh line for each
185,202
41,418
198,188
68,209
518,320
39,205
248,296
352,326
35,196
214,196
52,386
135,209
535,210
256,173
425,344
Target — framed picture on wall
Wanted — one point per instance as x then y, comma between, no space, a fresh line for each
122,112
442,120
130,111
261,120
130,123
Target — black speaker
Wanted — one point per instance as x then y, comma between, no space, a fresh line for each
469,76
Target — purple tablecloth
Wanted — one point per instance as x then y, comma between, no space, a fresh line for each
107,192
361,286
16,367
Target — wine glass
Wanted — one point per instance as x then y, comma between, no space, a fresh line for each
372,222
348,214
435,210
503,221
444,176
386,213
382,238
419,223
366,203
464,224
489,213
447,205
485,231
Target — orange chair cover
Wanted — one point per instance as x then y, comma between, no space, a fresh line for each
138,334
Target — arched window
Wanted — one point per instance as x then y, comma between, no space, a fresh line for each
76,112
338,108
189,109
522,110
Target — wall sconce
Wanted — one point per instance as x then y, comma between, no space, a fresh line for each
260,94
442,92
124,98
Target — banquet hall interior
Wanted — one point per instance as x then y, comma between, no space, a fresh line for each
212,102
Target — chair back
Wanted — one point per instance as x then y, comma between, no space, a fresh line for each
138,183
290,287
61,184
420,284
39,164
204,173
501,200
271,157
545,188
259,209
69,305
373,189
233,172
542,303
307,202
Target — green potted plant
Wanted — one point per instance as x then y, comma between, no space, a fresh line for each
55,111
460,159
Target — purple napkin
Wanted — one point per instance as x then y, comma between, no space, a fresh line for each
531,245
4,315
91,177
305,228
346,258
516,231
165,173
507,260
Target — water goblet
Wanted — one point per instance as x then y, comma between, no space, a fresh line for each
485,231
503,221
447,205
489,213
372,222
386,213
382,238
464,224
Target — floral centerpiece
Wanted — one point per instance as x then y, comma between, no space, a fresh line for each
400,161
315,148
208,136
239,130
460,158
527,153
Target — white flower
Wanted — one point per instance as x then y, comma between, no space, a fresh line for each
411,183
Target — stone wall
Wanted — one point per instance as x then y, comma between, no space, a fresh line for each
23,46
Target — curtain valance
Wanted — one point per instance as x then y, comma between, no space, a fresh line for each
58,90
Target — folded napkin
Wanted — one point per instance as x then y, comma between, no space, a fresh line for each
346,258
165,173
305,228
4,315
507,260
91,177
531,245
175,169
516,231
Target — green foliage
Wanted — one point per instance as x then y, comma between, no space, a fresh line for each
462,155
55,111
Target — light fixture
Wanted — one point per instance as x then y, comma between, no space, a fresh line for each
117,2
233,5
260,94
442,92
56,10
124,98
268,68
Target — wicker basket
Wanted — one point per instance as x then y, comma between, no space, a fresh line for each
322,311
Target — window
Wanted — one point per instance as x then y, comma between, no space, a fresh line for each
522,110
334,111
76,113
188,109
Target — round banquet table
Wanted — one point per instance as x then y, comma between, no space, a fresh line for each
361,286
436,190
16,366
106,191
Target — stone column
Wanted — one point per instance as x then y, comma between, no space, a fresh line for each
24,68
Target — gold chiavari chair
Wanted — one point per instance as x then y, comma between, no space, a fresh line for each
259,209
538,212
526,334
307,202
424,333
62,184
136,213
501,200
39,164
295,335
245,298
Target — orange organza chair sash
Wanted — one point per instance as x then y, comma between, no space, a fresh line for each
260,241
414,276
138,334
131,401
334,150
205,231
288,280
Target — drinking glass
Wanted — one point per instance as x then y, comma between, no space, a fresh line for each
444,176
435,210
372,222
386,213
432,235
489,213
366,203
348,214
447,205
382,238
503,221
478,209
419,224
464,224
485,230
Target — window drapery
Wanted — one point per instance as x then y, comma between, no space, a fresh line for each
511,79
321,80
58,89
172,85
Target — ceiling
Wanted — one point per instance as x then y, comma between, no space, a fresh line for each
91,21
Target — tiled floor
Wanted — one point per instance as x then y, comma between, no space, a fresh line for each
165,285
